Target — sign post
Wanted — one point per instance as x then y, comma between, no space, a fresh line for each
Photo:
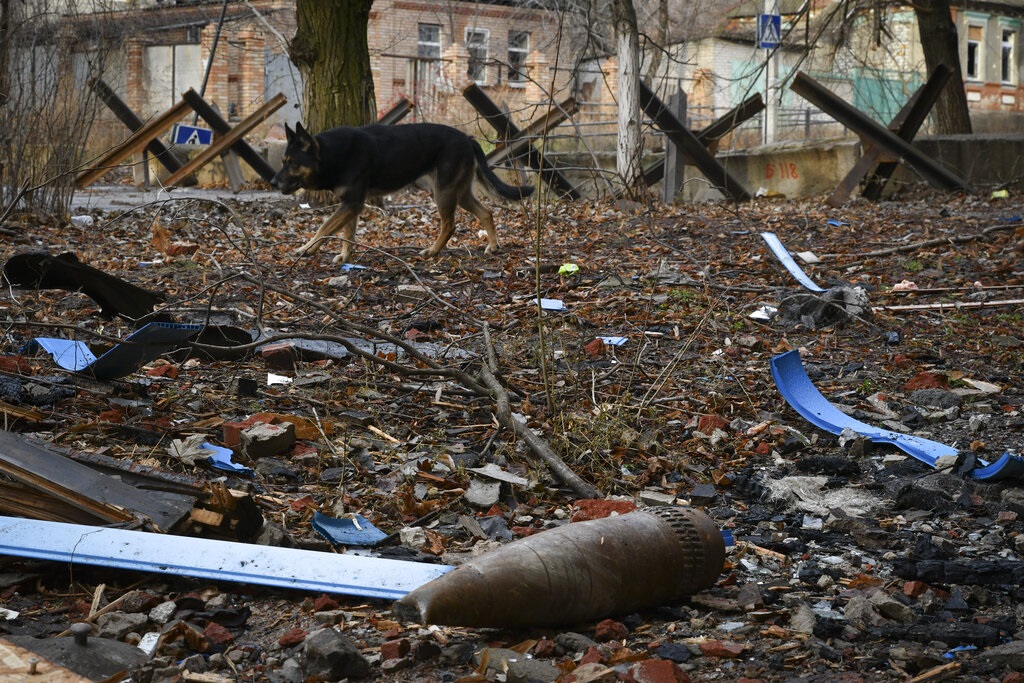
769,37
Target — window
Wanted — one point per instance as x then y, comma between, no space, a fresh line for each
476,45
1007,57
518,49
975,34
428,45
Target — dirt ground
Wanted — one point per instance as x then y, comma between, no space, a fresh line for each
851,561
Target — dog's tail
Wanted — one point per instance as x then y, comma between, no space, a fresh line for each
487,175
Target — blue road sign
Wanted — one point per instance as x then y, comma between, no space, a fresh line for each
191,135
769,31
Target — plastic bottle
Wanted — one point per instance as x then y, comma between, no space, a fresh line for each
578,572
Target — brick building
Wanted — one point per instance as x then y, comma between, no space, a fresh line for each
424,51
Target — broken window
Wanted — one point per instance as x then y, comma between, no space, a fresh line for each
518,49
476,45
975,34
1008,60
428,45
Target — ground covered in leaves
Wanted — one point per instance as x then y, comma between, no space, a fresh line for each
851,561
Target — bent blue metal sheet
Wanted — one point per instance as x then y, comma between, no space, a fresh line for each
206,558
354,530
798,390
68,354
145,344
781,253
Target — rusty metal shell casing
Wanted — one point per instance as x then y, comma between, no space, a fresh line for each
578,572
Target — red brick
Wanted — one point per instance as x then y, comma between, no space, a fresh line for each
709,423
592,656
544,648
592,508
914,588
182,248
292,637
609,629
926,380
658,671
217,634
280,356
724,649
15,365
394,649
169,370
325,603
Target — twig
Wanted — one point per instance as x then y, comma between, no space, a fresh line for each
937,673
535,443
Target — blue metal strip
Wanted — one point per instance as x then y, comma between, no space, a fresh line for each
798,390
211,559
781,253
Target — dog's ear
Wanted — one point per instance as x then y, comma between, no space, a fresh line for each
289,135
305,138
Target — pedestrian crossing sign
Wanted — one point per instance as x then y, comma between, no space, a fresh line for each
769,31
191,135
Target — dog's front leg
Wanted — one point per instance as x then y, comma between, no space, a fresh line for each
342,217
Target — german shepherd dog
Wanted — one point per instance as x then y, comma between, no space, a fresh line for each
358,163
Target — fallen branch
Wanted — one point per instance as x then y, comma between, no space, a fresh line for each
537,445
955,239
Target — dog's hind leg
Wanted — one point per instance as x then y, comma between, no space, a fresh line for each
344,217
485,216
446,200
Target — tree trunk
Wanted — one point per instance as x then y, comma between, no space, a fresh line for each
331,51
629,146
939,41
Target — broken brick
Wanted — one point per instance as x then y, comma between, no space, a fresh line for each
707,424
394,649
168,370
658,671
325,603
595,508
724,649
593,655
15,365
292,637
217,634
594,349
181,249
280,356
609,629
545,648
926,380
914,589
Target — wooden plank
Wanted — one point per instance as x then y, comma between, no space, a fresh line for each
24,666
105,497
227,139
137,142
